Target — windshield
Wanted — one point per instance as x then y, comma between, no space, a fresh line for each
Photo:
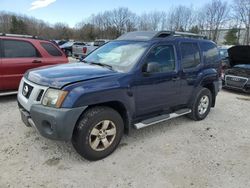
223,53
244,66
121,56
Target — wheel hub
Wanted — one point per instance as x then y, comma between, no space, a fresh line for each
203,105
102,135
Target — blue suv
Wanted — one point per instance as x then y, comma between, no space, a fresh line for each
137,80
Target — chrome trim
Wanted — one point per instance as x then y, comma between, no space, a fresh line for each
240,77
27,103
171,116
8,93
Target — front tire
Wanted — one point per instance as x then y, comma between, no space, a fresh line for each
202,105
98,133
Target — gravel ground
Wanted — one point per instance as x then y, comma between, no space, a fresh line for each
179,153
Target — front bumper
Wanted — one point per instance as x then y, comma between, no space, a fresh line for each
244,87
52,123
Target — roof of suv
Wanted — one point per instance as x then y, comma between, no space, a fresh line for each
23,37
159,35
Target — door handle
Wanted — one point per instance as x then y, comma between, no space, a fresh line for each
37,61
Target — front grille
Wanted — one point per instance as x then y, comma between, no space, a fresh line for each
40,95
27,89
235,81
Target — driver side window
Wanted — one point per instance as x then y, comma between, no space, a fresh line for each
163,57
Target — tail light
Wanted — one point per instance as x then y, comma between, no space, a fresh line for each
84,50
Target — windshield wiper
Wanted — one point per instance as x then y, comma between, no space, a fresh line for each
102,65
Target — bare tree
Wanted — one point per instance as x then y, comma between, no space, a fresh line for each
242,12
215,15
155,21
180,18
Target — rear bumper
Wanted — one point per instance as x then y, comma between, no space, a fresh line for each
52,123
78,55
245,89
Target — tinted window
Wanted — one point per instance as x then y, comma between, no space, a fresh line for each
17,48
99,43
51,49
210,52
190,55
79,43
164,56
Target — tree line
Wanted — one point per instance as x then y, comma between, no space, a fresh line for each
210,18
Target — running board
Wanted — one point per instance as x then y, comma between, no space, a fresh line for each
162,118
8,93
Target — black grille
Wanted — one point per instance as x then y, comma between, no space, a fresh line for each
27,89
235,81
40,95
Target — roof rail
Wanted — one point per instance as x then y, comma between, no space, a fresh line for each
190,35
17,35
148,35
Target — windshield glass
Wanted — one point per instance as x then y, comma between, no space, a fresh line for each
122,56
244,66
223,53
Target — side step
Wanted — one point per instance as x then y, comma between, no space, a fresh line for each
162,118
8,93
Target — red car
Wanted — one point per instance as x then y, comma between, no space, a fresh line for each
19,53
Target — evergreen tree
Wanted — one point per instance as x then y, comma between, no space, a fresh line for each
231,37
194,29
18,26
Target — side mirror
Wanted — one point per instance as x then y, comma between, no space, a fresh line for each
152,67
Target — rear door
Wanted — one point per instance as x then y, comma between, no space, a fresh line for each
190,68
52,54
18,57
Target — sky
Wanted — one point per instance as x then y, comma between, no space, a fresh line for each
72,12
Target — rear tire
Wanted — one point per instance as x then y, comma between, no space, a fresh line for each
98,133
201,105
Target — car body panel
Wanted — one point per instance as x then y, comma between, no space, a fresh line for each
12,69
142,94
61,75
239,55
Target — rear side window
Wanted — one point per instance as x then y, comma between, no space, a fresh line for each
190,55
99,43
79,43
51,49
210,52
18,49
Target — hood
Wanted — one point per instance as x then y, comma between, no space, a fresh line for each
239,55
61,75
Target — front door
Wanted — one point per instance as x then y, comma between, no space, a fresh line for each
18,57
158,90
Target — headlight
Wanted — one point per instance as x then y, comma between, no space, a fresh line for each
54,98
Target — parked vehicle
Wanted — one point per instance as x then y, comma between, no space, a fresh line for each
81,51
224,56
67,47
138,80
78,49
18,53
238,76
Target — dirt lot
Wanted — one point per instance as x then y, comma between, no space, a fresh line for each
179,153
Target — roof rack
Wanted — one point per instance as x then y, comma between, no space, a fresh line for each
190,35
148,35
17,35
